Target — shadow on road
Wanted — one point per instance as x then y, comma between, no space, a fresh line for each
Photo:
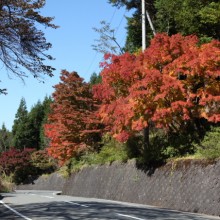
95,210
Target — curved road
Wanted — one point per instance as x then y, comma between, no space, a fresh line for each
43,205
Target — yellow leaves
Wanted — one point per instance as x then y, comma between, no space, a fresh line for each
172,73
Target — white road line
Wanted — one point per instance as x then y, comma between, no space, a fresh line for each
129,216
50,197
74,203
17,213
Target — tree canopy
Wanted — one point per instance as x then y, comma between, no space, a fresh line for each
175,80
172,16
188,17
23,45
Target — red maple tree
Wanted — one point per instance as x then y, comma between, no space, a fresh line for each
173,81
72,124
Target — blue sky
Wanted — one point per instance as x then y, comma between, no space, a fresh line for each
71,48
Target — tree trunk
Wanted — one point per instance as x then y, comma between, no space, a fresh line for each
146,133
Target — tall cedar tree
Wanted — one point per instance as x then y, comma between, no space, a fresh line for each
28,128
23,45
5,139
46,110
72,125
20,127
35,119
95,79
172,82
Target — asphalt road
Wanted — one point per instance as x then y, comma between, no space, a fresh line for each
43,205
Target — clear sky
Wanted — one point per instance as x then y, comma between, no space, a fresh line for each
71,48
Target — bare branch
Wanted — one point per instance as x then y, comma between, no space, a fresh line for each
107,42
22,46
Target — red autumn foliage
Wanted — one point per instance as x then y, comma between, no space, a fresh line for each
14,159
72,124
174,80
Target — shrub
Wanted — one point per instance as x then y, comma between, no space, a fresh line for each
111,151
210,145
14,159
42,162
25,165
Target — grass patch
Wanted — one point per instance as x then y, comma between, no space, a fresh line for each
6,184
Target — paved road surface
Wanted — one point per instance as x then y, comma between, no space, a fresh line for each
43,205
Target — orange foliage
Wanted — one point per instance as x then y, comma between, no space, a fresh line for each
72,124
174,80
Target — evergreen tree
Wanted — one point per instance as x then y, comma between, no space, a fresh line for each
171,16
28,128
134,33
35,118
189,17
20,127
95,79
44,142
5,139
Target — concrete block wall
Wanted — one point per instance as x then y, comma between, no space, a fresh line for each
187,185
53,182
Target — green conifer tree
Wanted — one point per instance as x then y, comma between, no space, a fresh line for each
35,118
20,127
5,139
44,142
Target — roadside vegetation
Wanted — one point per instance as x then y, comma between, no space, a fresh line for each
154,106
165,150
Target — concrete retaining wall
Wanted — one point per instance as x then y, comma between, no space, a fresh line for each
187,185
46,182
192,186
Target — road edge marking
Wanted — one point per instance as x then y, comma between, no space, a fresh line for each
74,203
49,197
13,210
129,216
